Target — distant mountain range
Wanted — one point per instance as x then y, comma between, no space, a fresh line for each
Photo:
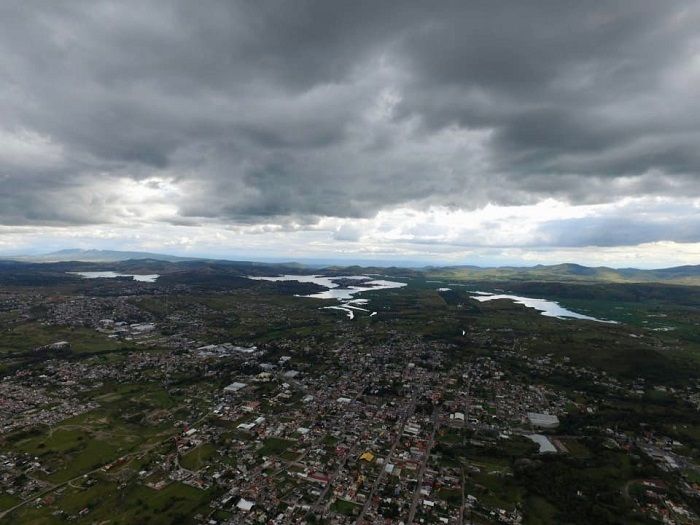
99,256
687,275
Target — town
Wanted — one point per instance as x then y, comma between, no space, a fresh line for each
363,421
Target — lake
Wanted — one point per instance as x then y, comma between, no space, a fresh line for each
334,292
111,275
346,295
545,307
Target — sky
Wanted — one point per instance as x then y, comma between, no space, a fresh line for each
458,132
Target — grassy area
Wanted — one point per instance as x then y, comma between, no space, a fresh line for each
345,507
197,458
71,453
452,496
7,501
176,503
539,511
496,490
88,441
575,448
25,337
275,446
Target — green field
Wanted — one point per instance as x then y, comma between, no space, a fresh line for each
274,446
199,457
176,503
27,336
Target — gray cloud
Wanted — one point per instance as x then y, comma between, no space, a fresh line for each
275,111
629,225
620,231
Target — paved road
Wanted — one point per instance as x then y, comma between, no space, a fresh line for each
461,508
316,506
467,405
424,465
409,412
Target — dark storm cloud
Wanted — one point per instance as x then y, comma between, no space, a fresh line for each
287,111
619,231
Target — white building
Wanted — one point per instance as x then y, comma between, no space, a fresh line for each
234,387
542,420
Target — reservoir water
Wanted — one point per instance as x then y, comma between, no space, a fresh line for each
545,307
345,295
111,275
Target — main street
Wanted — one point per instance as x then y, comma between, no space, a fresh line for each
419,481
377,482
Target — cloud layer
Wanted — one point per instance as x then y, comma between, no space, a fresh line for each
283,115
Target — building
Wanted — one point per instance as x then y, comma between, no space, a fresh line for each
234,387
245,505
542,420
